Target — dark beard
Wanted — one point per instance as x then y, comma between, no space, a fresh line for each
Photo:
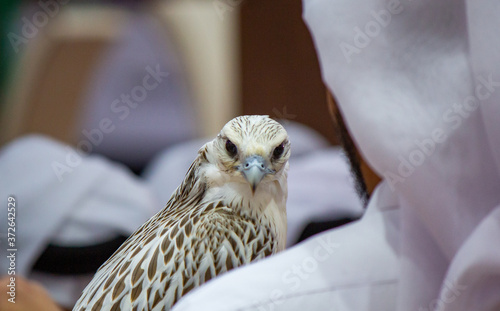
352,157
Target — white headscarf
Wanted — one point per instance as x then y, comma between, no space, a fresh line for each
418,83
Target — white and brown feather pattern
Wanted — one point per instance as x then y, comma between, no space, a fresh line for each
183,246
195,238
265,127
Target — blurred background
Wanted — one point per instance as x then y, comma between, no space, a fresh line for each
145,84
127,79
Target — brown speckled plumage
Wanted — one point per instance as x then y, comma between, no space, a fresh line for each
212,223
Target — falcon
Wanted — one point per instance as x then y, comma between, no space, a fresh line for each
230,210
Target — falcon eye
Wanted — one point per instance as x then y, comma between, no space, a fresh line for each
231,148
278,151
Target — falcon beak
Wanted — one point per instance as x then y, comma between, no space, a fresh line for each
254,169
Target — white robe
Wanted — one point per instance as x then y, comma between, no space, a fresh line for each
418,85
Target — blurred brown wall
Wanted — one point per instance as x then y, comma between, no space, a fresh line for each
280,71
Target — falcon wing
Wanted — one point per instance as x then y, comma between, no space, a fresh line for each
164,260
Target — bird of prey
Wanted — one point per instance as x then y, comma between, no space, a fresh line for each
229,211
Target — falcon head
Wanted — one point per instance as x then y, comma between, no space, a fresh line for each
252,150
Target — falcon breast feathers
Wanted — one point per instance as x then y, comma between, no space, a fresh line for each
230,210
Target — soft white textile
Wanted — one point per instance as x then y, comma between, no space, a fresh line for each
418,85
90,202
